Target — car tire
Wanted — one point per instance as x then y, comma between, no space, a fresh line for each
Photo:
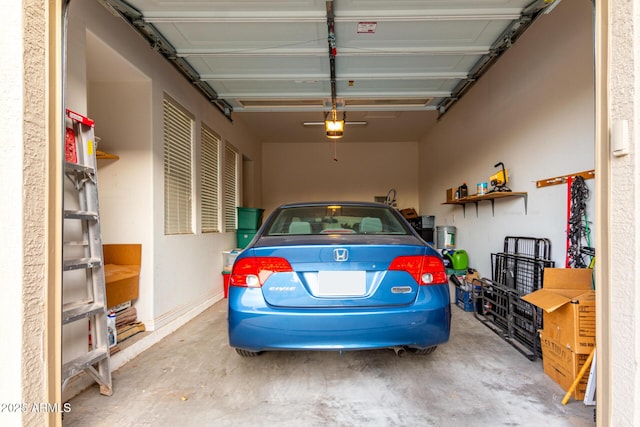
422,351
247,353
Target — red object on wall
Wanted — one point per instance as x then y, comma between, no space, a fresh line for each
70,153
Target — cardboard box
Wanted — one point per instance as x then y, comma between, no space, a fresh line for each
409,213
469,278
563,365
121,272
451,194
569,306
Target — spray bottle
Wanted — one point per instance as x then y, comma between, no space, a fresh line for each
112,333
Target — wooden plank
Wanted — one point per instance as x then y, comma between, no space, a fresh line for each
128,331
564,178
489,196
100,155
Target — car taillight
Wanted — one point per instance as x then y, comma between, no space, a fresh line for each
426,270
252,272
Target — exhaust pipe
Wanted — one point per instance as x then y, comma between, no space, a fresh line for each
400,351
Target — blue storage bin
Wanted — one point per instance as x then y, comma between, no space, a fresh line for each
464,299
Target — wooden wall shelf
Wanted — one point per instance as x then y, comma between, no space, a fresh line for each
101,155
491,197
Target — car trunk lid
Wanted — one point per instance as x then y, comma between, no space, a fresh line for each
349,275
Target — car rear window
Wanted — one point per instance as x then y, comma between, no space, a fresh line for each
334,219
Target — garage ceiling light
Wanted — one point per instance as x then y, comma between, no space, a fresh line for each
333,126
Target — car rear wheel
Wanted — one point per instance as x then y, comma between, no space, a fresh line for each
247,353
427,350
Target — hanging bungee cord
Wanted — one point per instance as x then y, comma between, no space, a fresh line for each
578,226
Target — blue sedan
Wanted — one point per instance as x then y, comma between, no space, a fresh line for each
338,276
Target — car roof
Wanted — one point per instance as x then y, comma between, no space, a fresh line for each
334,202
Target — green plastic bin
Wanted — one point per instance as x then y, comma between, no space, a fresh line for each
249,218
245,237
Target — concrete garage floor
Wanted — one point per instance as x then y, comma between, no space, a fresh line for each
193,378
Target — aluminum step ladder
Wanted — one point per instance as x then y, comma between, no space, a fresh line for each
85,253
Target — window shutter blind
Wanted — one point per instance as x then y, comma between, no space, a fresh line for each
209,184
178,131
230,188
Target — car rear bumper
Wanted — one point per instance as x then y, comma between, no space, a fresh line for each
255,326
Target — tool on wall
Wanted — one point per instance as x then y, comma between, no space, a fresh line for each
578,231
500,179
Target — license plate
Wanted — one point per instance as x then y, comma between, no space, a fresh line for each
342,283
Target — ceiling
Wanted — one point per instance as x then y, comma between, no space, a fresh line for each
396,64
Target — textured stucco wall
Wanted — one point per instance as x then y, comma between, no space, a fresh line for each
23,128
10,208
34,202
624,293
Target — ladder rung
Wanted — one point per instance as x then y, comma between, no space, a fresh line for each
76,243
84,215
74,311
79,168
75,264
81,363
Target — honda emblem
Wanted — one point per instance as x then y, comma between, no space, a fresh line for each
340,254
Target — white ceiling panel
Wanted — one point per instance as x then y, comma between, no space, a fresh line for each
262,67
247,38
419,36
385,51
276,89
402,87
155,8
429,7
424,66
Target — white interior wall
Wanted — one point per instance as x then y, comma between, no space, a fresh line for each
306,172
180,275
534,111
125,184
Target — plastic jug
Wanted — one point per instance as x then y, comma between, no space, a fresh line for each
464,191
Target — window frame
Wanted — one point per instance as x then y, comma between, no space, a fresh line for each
178,130
230,187
210,143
